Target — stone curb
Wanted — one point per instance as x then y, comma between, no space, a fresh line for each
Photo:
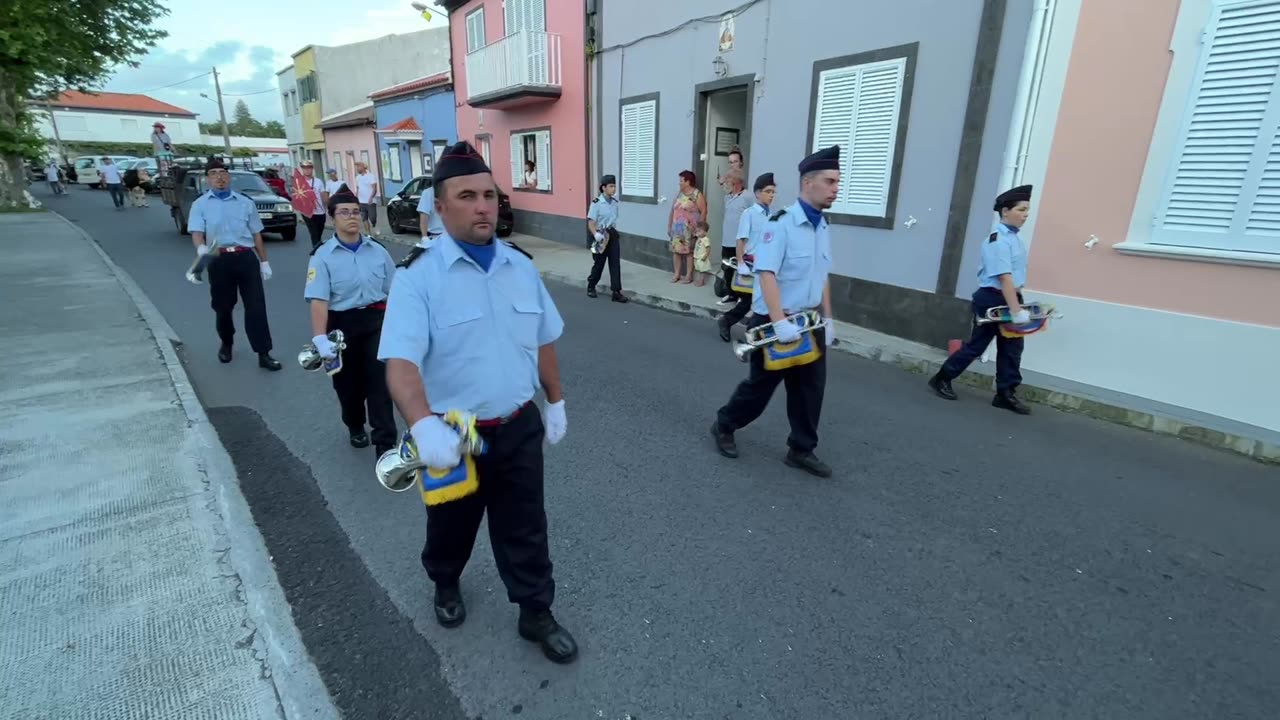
983,379
276,641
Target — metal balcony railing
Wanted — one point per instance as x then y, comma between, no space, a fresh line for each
522,60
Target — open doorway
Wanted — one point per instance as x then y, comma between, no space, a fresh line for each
723,123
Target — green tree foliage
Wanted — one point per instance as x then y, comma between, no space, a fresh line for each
47,47
244,124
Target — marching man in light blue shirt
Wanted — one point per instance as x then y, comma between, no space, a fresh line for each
792,260
226,222
602,226
428,219
348,280
470,327
1000,280
750,228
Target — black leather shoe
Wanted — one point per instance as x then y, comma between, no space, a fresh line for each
808,462
540,626
266,362
724,440
360,439
591,292
942,386
724,330
381,450
618,297
1008,401
224,353
450,610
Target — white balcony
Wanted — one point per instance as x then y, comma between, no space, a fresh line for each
521,68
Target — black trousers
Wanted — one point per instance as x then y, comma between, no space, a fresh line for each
725,253
362,384
612,253
315,226
1008,350
238,273
805,385
510,477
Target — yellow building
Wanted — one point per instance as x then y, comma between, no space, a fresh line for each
306,72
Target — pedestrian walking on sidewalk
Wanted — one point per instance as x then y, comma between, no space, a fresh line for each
111,178
750,227
470,327
230,221
736,202
1000,280
367,193
348,280
791,266
602,226
53,175
316,220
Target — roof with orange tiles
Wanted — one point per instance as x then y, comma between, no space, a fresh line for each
406,125
423,83
118,102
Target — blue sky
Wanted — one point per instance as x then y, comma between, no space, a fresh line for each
249,41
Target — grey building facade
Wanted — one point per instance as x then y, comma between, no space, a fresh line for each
919,94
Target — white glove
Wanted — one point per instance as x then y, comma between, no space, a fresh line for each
600,237
265,267
830,332
325,346
202,250
556,422
743,269
439,445
786,331
1022,317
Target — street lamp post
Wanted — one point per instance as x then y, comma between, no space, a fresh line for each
222,114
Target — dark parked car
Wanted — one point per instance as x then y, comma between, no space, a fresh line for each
402,210
275,212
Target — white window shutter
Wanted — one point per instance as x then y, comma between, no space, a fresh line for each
858,109
511,16
639,131
537,15
543,160
517,160
1223,189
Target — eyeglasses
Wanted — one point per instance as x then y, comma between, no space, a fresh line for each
345,213
215,173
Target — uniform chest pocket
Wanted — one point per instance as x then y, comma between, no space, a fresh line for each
524,317
796,264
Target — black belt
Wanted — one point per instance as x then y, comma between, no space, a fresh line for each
380,305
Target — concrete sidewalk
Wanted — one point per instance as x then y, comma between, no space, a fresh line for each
570,264
133,581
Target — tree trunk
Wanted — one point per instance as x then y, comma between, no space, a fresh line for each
13,179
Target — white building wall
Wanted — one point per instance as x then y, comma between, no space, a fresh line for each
99,126
290,104
348,73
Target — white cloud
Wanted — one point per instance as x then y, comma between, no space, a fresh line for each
249,41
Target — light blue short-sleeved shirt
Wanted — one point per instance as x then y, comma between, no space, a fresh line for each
427,206
1003,253
474,335
349,279
232,221
798,254
734,207
751,227
604,211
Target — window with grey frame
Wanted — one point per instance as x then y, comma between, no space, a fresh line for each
862,103
638,148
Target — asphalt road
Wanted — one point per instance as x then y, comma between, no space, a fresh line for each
964,562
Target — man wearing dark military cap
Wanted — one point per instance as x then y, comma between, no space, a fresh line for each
471,327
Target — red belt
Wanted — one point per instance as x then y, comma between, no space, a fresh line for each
380,305
495,422
233,249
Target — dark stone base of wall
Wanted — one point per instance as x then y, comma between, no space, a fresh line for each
903,312
558,228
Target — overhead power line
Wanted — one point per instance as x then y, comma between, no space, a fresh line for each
180,82
258,92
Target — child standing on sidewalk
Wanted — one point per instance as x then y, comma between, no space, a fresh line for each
702,253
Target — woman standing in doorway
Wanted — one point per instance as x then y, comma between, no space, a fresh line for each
688,211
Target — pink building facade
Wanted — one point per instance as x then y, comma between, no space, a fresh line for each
348,138
520,85
1155,150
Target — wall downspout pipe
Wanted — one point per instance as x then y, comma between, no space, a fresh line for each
1025,101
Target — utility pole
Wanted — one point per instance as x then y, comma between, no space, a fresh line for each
53,120
222,114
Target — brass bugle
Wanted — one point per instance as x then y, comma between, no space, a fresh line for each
310,358
762,335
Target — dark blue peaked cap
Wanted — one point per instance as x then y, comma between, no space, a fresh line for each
458,160
828,159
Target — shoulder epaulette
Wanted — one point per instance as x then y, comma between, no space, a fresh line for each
777,215
414,254
375,240
314,249
518,249
992,238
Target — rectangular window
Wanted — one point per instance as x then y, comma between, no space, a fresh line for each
1222,190
531,146
284,103
521,15
337,164
72,123
475,29
308,91
437,148
129,125
482,143
861,103
639,145
391,163
364,158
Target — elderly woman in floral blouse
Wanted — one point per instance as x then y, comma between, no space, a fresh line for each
688,211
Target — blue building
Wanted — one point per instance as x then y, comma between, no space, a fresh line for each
415,121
